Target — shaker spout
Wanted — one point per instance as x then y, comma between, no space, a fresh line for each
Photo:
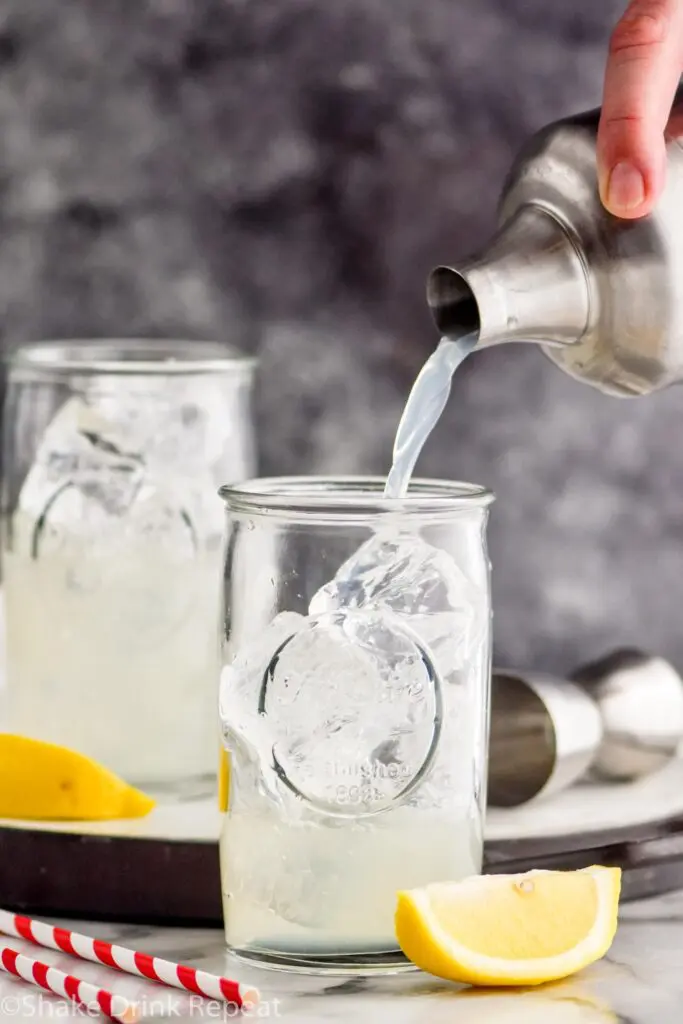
530,284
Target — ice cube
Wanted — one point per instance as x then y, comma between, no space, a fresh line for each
421,584
90,484
175,420
246,732
279,867
182,429
355,711
242,677
74,455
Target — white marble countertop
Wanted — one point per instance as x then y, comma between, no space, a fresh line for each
639,982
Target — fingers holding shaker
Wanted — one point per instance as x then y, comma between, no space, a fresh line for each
643,71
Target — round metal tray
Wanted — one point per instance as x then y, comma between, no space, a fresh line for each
165,869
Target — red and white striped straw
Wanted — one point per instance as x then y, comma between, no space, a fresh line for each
142,965
67,986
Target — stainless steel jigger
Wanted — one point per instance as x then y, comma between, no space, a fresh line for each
619,718
545,733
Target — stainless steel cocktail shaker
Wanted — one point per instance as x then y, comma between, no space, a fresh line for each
602,296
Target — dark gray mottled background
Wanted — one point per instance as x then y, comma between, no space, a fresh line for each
282,174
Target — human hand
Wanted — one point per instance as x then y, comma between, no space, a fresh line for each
643,72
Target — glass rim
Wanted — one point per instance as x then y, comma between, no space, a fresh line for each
350,496
129,356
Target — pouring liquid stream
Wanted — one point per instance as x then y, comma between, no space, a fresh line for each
426,403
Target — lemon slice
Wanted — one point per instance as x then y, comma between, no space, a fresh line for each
510,929
44,782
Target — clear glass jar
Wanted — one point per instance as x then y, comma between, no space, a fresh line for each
354,707
111,546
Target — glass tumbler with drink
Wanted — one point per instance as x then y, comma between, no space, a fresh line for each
111,542
354,706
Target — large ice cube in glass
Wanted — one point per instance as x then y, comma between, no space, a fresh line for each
77,455
341,712
422,584
246,732
242,677
357,708
107,462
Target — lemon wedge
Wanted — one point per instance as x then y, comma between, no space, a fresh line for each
44,782
510,929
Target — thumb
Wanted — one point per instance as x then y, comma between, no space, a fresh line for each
643,71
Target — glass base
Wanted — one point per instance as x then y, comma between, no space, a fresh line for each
344,964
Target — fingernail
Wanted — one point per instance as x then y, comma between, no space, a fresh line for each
626,188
